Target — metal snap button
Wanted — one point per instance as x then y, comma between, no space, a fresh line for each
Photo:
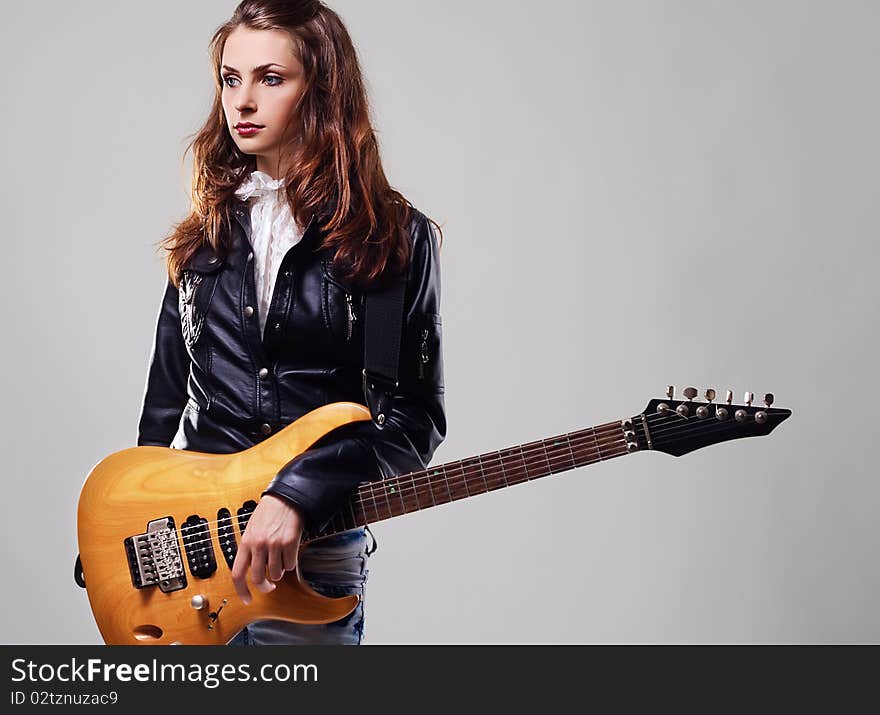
248,311
264,372
266,428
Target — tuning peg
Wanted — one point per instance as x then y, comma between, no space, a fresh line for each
710,395
749,396
768,399
690,392
670,391
729,396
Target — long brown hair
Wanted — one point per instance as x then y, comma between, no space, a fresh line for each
336,173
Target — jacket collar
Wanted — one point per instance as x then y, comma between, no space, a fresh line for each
205,260
241,211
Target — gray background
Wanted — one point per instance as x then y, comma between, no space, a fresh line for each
634,194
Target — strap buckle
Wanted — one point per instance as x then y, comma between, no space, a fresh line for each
379,391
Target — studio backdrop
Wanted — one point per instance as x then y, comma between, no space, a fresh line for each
633,195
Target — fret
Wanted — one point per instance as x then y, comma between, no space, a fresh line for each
534,459
415,491
570,451
550,469
596,440
584,448
558,456
379,516
496,471
446,481
407,487
458,484
575,445
393,487
384,487
435,482
525,464
503,470
464,477
430,485
516,468
483,473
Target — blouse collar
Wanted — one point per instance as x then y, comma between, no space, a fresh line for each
258,184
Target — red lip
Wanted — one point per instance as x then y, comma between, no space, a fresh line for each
247,130
248,125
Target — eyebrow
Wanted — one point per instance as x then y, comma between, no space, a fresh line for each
256,69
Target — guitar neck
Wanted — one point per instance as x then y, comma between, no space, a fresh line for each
407,493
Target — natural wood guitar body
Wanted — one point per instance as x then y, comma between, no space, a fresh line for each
126,491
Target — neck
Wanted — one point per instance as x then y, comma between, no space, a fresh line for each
404,494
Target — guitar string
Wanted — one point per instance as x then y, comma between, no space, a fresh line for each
464,478
492,459
358,502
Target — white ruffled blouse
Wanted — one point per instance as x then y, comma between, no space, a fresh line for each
273,232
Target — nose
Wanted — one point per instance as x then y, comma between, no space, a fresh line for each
244,100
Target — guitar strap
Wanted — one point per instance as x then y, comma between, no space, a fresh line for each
383,330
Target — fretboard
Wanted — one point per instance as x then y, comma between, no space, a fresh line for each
407,493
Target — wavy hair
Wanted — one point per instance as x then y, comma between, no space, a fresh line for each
336,174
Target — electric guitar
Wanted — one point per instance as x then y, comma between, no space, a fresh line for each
158,528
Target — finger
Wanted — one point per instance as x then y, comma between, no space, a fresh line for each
276,568
258,571
289,557
239,572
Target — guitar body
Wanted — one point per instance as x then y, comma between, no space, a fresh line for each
155,541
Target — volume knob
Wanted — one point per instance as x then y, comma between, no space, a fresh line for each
198,602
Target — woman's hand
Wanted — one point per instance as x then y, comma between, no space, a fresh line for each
271,539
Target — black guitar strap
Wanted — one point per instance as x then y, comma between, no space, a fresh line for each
383,331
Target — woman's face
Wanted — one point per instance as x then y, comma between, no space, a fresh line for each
262,83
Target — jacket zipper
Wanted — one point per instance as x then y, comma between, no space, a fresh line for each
351,317
423,355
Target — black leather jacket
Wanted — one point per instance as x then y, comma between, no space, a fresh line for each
215,385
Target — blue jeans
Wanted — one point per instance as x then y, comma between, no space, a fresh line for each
333,566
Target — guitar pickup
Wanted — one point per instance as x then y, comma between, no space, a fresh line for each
226,536
198,546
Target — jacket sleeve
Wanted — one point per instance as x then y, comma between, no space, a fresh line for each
165,393
320,479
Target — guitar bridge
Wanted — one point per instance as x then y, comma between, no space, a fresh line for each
154,557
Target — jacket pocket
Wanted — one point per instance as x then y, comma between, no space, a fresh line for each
196,292
341,307
426,354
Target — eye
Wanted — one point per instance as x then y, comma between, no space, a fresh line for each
228,77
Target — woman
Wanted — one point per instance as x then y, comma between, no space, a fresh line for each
293,222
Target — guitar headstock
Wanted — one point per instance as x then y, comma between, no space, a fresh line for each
677,427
